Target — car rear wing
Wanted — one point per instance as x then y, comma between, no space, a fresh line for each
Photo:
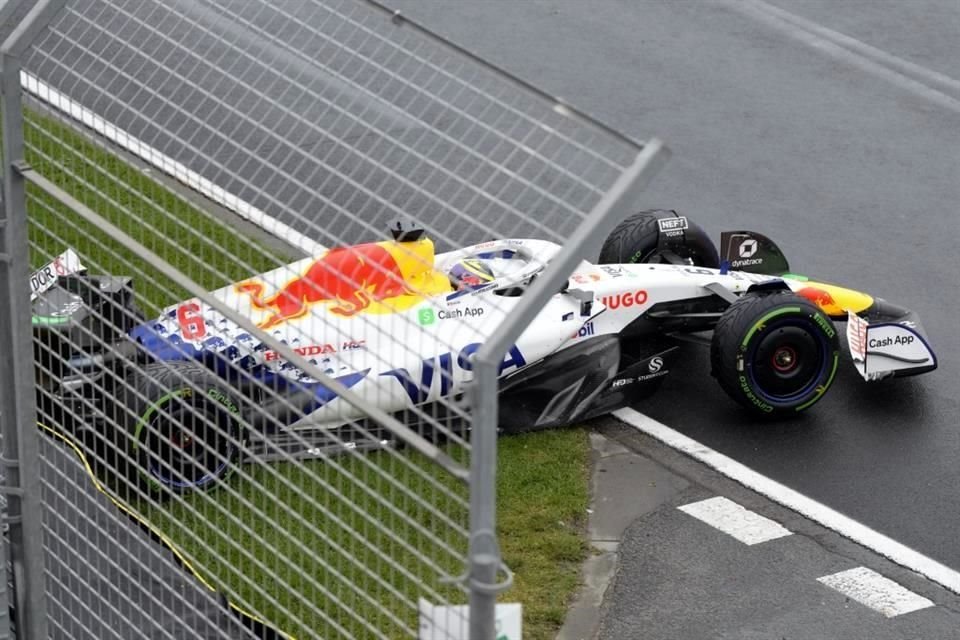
65,264
888,349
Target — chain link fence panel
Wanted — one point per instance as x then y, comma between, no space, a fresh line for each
244,382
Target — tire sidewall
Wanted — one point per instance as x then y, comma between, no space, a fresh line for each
199,392
781,313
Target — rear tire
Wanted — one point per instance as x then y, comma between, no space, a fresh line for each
775,353
635,240
183,426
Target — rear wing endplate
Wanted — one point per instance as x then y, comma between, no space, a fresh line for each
753,252
65,264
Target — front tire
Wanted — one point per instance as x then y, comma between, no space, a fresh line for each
183,426
636,240
774,353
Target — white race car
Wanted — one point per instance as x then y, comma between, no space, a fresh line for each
397,325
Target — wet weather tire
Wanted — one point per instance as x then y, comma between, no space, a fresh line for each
183,426
775,353
635,240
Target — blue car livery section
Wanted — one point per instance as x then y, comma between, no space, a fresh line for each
218,353
325,395
439,370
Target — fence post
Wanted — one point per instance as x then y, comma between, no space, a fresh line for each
17,412
484,553
20,449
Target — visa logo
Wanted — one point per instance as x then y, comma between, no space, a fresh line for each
439,370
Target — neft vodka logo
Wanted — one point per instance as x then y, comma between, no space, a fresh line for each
672,226
746,250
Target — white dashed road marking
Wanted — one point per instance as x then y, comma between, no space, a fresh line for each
885,546
728,516
873,590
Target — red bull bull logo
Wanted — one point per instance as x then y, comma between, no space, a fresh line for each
350,279
833,300
820,297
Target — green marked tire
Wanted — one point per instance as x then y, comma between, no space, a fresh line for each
775,353
183,430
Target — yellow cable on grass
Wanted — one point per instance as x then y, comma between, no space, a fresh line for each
122,506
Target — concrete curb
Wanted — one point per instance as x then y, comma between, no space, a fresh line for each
624,486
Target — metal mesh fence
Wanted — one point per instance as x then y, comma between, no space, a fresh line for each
290,419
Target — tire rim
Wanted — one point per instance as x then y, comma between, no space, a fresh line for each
788,362
187,446
784,359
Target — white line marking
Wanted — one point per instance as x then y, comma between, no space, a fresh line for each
906,75
726,515
873,590
873,540
168,165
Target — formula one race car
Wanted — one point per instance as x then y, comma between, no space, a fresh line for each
398,325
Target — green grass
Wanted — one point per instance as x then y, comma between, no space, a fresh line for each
297,523
280,522
542,489
304,525
199,245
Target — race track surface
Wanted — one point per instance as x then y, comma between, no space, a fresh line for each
855,173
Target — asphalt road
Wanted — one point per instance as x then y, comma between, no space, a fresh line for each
851,164
855,174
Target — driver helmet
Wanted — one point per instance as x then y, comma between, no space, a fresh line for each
470,273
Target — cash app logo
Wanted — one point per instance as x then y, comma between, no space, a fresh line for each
426,316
